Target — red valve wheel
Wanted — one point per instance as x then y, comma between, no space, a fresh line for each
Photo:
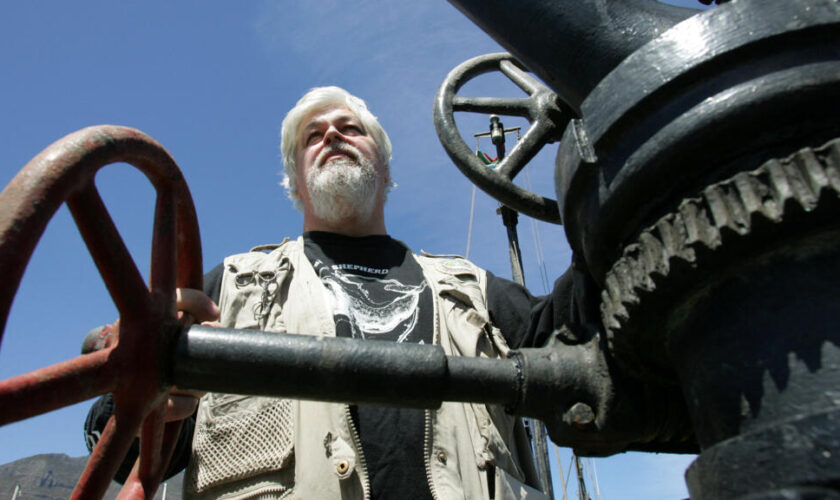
133,368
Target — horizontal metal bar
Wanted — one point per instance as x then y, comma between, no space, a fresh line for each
337,369
507,131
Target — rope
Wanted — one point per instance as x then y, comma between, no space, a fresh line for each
536,235
568,473
593,476
470,230
560,470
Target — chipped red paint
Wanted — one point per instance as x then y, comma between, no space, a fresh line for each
133,366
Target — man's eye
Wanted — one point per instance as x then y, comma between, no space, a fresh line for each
312,138
352,130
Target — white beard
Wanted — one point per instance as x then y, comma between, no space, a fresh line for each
344,187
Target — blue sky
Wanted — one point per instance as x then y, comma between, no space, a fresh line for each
211,81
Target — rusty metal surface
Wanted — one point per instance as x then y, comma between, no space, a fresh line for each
132,367
56,386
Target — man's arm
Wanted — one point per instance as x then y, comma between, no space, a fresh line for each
528,321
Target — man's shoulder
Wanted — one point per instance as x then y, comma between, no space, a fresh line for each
267,248
449,264
265,252
271,247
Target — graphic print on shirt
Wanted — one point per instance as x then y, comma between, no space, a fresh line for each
370,307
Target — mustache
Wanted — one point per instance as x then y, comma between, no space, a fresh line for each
338,147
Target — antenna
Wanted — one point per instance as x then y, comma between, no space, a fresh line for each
497,134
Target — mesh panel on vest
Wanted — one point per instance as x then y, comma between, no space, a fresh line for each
242,444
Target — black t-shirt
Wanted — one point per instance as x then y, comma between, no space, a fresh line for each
378,293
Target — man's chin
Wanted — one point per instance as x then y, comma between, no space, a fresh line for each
337,210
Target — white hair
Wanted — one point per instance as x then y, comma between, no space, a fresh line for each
317,99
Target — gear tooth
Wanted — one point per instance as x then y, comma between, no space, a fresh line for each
717,206
608,313
748,192
739,215
688,213
667,235
812,170
681,249
622,274
769,207
799,184
613,286
832,160
782,190
654,258
725,207
632,270
699,226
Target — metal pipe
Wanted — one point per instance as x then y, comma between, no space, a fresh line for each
337,369
568,386
572,44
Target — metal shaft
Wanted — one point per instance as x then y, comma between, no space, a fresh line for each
337,369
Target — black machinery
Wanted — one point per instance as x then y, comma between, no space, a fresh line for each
697,180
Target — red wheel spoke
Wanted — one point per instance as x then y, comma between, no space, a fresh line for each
109,453
151,441
157,442
112,258
56,386
162,273
64,172
190,269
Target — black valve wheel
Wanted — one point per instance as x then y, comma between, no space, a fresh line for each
547,115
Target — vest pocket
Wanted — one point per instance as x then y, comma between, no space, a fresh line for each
238,437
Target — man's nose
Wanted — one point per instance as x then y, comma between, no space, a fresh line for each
332,135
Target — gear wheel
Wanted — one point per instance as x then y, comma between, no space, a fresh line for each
731,220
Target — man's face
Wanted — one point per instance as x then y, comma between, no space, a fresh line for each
340,172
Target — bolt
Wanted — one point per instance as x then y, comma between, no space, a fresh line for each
580,416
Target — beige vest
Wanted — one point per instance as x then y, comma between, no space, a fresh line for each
258,447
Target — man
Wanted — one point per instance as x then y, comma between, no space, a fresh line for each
346,277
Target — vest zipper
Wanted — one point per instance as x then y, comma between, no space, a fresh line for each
427,435
357,442
427,448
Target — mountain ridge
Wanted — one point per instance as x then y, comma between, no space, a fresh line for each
52,476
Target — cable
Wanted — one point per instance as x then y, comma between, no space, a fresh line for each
538,246
593,476
472,217
560,470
